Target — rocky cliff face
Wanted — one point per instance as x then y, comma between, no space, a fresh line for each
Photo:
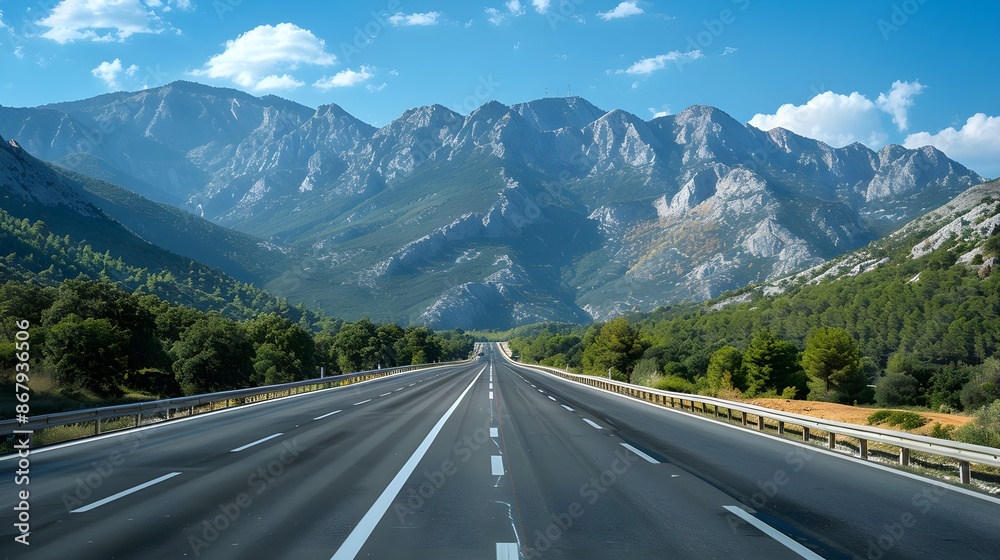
597,212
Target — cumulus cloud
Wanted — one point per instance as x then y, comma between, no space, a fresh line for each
255,58
515,8
623,10
830,117
647,66
99,20
347,78
108,72
400,19
899,100
2,24
541,6
976,144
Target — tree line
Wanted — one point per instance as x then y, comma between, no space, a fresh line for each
96,339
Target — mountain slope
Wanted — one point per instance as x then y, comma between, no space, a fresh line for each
551,209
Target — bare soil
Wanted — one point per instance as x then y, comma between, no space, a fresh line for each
854,414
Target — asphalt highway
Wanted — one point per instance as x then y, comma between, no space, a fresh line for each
487,459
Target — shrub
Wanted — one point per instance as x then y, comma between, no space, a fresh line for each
674,383
902,419
985,429
896,389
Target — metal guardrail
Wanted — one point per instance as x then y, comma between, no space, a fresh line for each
749,414
153,409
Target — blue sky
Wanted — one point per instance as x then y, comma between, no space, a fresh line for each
913,72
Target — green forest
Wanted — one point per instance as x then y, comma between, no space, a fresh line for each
93,343
911,333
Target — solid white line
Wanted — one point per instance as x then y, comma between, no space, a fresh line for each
203,415
640,453
553,400
385,394
568,408
262,440
773,533
496,463
124,493
507,551
593,424
362,402
327,414
352,545
494,432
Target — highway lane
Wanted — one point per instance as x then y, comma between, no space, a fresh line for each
835,506
482,460
293,496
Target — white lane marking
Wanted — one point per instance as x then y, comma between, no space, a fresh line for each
541,391
553,399
327,414
496,464
507,551
261,440
362,402
640,453
411,384
773,533
491,385
124,493
568,408
352,545
494,432
201,416
385,394
398,390
491,395
593,424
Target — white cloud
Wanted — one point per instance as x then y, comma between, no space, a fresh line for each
623,10
400,19
373,88
274,82
108,72
899,100
663,112
729,50
347,78
976,144
19,51
253,59
131,70
495,16
2,24
515,8
647,66
541,6
99,20
830,117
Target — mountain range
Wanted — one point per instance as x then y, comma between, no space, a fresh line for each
549,210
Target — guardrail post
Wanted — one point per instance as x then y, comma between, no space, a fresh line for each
716,412
191,412
805,434
138,419
904,456
781,428
760,423
863,448
964,472
831,440
744,415
97,427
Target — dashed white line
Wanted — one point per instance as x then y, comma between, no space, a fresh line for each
568,408
640,453
491,395
496,464
362,402
411,384
491,385
398,390
385,394
327,414
541,391
494,432
553,399
773,533
507,551
124,493
251,444
595,426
